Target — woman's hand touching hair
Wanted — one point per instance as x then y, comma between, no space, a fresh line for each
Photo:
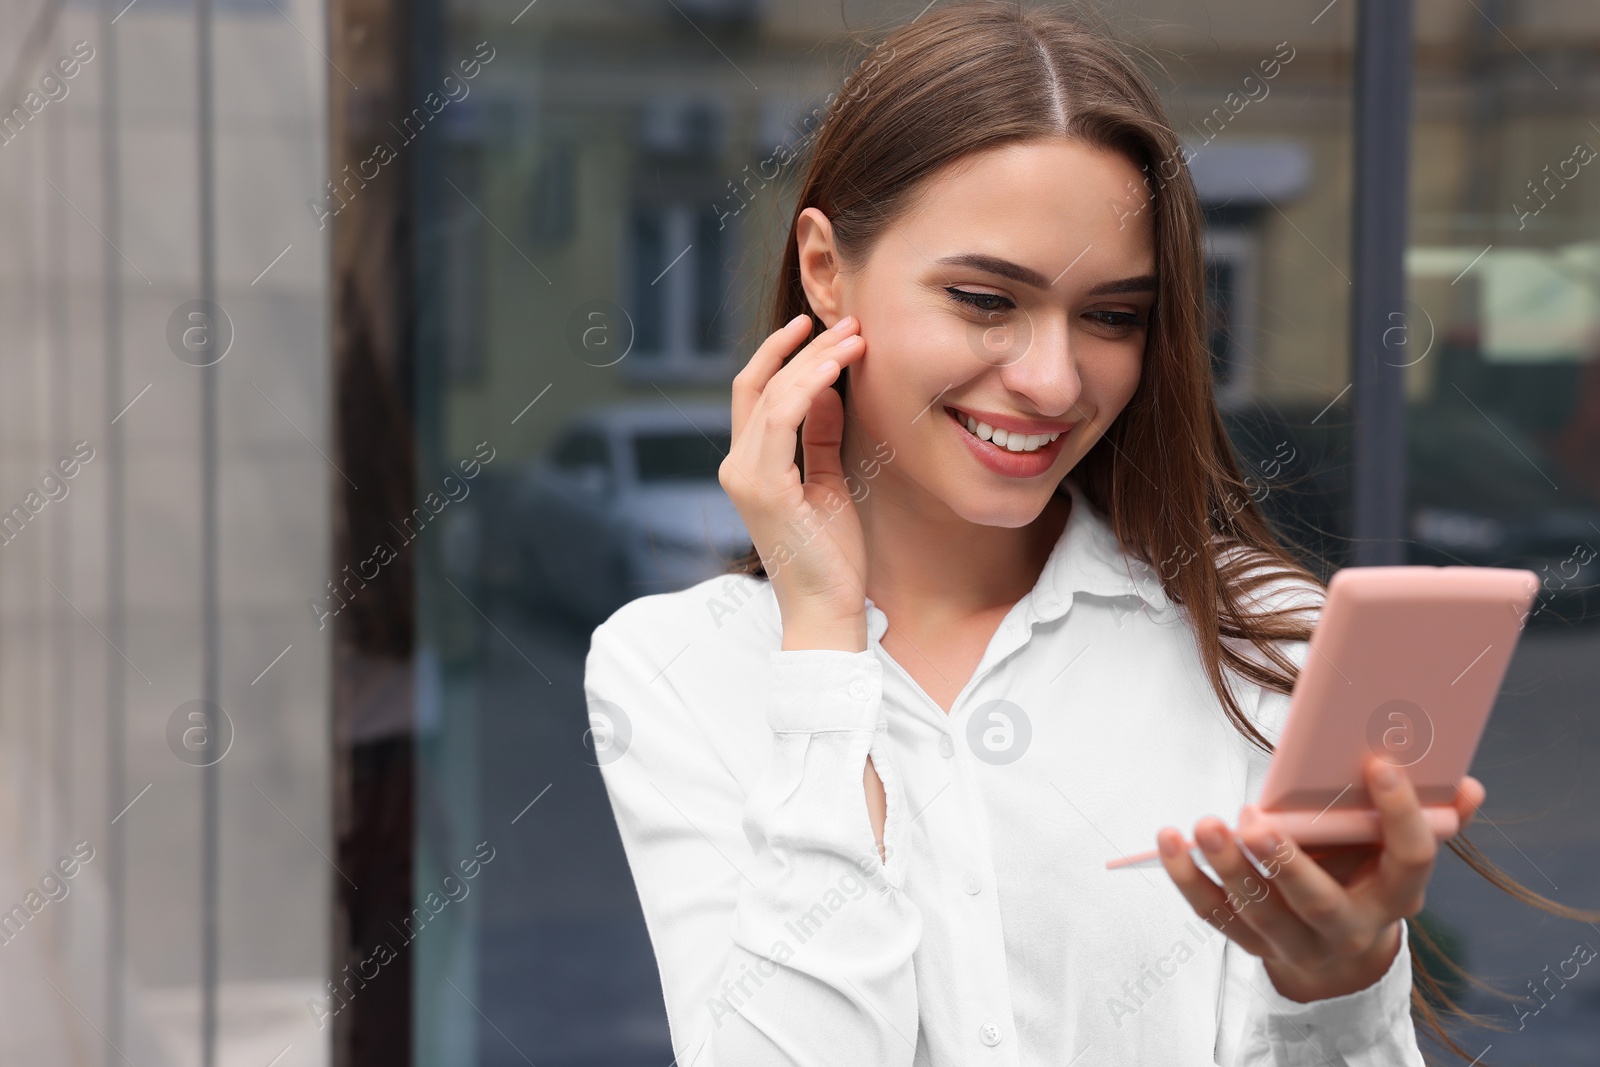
807,531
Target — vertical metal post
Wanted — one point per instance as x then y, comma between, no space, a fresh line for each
116,556
1382,134
58,556
60,418
210,614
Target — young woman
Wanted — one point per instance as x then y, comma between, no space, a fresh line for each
1009,605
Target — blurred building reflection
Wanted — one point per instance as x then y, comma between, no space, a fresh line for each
532,242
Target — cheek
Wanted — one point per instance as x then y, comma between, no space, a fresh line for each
1111,375
904,368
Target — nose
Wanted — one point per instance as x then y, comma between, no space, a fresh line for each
1041,369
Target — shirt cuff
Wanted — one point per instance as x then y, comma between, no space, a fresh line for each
816,689
1351,1023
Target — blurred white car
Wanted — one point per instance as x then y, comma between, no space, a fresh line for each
626,502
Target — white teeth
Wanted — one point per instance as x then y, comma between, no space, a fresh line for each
982,430
1011,442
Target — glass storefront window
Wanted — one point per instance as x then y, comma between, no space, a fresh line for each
475,399
628,324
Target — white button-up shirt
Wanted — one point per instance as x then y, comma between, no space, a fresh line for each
993,933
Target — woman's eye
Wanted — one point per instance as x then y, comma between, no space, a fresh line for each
1120,320
981,301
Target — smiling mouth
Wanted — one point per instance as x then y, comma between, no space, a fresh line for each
1011,442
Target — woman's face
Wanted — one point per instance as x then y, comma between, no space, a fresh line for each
1016,292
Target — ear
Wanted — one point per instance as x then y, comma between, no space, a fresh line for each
820,273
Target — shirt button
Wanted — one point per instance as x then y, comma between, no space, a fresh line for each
947,748
972,884
860,689
989,1034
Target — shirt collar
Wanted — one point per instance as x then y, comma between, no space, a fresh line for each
1086,558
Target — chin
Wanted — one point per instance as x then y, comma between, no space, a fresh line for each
1011,508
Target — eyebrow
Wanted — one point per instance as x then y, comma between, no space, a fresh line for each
1004,268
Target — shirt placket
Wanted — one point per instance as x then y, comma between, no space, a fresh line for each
990,1033
979,997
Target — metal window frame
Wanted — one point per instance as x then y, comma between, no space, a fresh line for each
1382,135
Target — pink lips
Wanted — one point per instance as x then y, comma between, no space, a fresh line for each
1005,462
1013,425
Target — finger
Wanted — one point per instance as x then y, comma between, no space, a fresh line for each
1409,846
1470,795
1345,864
1251,894
762,456
1307,888
789,397
821,436
769,361
1209,900
763,364
831,343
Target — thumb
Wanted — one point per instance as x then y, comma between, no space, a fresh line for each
821,435
1470,795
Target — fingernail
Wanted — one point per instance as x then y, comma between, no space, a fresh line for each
850,342
1210,839
845,323
1386,776
1167,845
827,367
798,319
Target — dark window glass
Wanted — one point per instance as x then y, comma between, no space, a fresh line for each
581,450
1220,282
673,457
713,283
649,310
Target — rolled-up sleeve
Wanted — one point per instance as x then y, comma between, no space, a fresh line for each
781,935
1371,1027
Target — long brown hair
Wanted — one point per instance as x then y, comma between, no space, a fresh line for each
976,74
